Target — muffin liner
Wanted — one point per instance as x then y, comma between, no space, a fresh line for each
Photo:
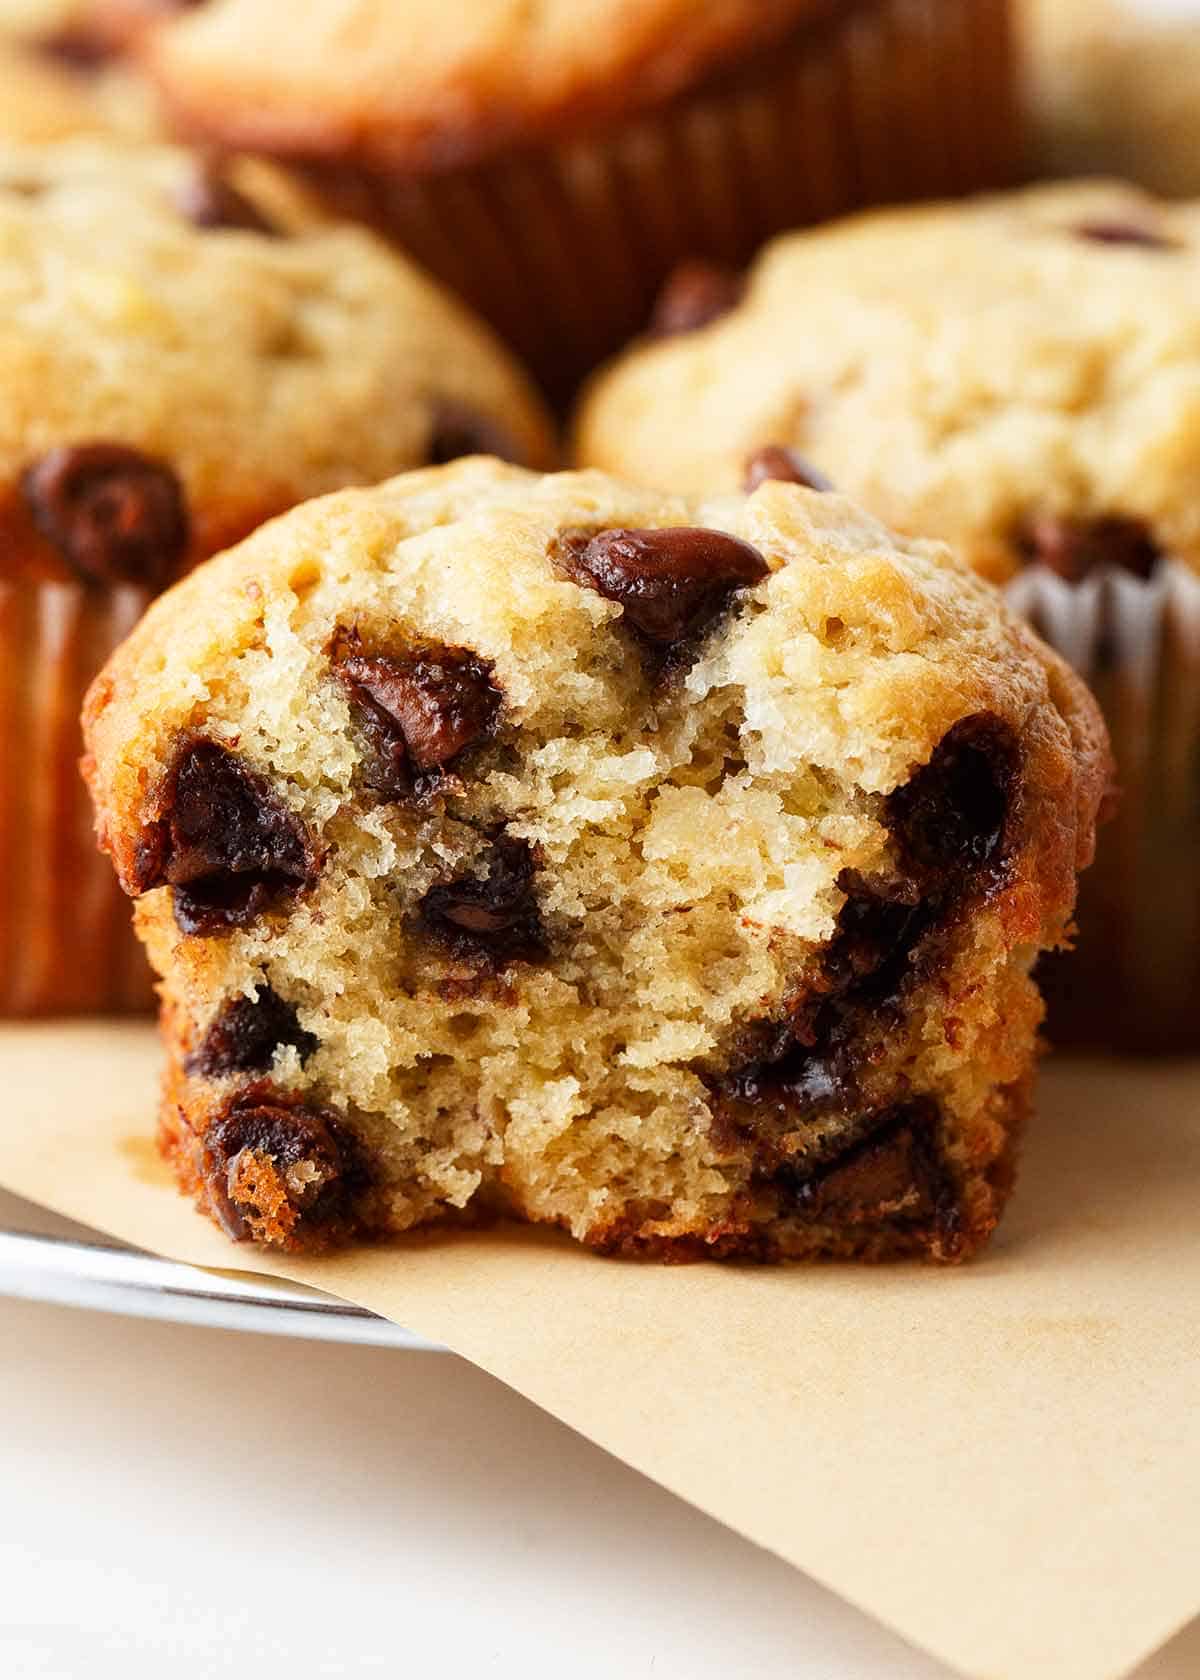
564,245
1133,981
66,939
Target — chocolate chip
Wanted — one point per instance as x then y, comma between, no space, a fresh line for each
1116,232
494,916
115,515
76,48
283,1172
244,1037
951,819
773,461
456,429
894,1173
693,295
1074,548
224,840
208,199
670,582
419,711
877,934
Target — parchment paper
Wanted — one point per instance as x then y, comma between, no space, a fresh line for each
1002,1462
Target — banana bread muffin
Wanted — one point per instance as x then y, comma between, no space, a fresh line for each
177,363
667,870
1020,376
552,163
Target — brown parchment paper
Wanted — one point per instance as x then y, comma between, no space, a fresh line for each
1002,1462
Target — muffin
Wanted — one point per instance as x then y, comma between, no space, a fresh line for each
178,364
1021,377
668,870
551,164
1114,90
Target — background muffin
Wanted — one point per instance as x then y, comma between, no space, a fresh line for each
551,164
667,870
1115,90
1021,376
177,363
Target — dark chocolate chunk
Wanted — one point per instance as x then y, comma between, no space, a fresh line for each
895,1172
1074,548
694,294
245,1035
494,916
419,711
113,514
773,461
208,199
224,840
951,819
671,582
877,935
456,429
248,1159
1116,232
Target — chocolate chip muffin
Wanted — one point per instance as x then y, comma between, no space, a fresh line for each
178,364
552,163
1020,376
667,870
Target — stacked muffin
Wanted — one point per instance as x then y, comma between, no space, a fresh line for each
661,851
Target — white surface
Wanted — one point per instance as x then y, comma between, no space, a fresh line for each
191,1503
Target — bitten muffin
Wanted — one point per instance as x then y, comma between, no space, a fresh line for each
177,363
670,871
1115,90
1020,376
552,163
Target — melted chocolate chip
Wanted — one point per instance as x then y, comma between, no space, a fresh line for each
773,461
670,582
496,916
244,1037
895,1172
208,199
113,514
951,819
1124,233
248,1162
225,841
693,295
456,429
419,711
1074,548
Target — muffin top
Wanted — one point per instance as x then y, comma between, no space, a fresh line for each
1019,375
532,652
170,333
423,85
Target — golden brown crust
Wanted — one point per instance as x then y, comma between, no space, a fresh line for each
547,979
488,76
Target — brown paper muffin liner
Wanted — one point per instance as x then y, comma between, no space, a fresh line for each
66,939
563,246
1133,980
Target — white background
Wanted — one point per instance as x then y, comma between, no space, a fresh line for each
180,1503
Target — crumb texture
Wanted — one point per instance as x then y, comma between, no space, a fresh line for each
667,870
